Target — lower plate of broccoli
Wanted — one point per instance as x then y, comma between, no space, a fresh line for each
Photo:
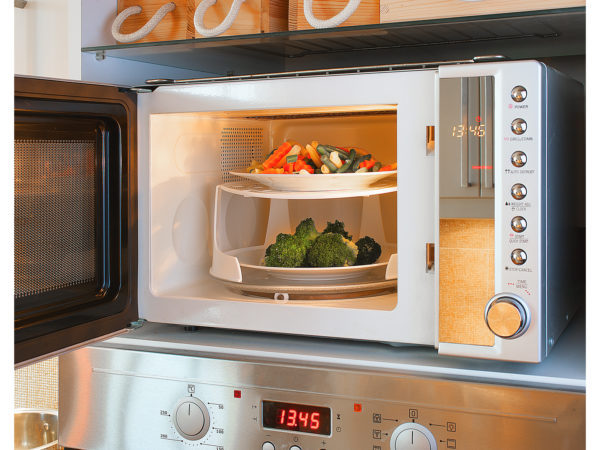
310,255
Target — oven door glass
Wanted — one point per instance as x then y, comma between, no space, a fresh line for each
74,211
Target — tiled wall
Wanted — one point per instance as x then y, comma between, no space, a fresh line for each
36,386
466,279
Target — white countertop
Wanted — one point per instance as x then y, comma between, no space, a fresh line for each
564,369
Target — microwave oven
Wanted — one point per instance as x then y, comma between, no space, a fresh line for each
482,230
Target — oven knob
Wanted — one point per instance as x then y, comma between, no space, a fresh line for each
412,436
518,159
518,126
518,256
518,94
191,418
507,316
518,224
518,191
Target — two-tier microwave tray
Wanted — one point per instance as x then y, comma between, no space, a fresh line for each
248,217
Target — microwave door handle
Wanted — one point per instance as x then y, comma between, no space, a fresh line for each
487,89
464,140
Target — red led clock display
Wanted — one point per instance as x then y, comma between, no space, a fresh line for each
295,417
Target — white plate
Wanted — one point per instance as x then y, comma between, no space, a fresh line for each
250,259
318,182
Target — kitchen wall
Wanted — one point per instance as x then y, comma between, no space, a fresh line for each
48,39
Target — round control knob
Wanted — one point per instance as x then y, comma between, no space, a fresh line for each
518,94
268,446
507,316
191,418
518,159
518,224
412,436
518,256
295,447
518,191
518,126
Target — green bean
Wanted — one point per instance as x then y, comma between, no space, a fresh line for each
325,160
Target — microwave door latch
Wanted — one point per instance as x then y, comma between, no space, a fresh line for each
429,256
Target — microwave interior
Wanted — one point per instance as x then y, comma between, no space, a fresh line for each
192,153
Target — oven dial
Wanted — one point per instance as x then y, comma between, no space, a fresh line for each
518,224
518,191
412,436
518,159
507,316
518,126
518,94
191,418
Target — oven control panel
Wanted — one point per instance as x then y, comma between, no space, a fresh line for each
117,398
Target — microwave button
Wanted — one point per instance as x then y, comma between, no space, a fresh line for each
518,224
518,159
518,126
268,446
518,191
518,94
518,256
507,316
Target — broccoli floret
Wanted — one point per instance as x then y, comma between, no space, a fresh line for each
287,251
331,250
307,231
368,251
337,227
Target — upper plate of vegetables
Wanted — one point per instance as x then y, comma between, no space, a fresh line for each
292,167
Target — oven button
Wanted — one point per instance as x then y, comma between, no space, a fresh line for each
268,446
507,316
518,224
518,159
191,418
518,126
295,447
518,94
518,256
518,191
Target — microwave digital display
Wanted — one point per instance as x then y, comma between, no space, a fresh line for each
296,417
459,131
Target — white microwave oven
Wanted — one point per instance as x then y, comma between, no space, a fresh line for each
481,228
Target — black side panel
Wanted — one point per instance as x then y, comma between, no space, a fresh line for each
75,214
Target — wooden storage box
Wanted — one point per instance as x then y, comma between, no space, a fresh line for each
407,10
255,16
366,13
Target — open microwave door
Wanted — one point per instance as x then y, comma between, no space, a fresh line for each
75,260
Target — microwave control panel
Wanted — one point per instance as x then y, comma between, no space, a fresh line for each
115,398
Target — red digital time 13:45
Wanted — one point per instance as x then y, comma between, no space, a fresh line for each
296,417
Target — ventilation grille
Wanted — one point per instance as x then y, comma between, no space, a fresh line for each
239,146
55,218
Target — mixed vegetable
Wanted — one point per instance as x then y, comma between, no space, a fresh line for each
312,158
331,248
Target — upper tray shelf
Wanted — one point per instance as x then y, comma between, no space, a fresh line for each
532,34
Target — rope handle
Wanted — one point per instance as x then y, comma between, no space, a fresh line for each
336,20
223,26
143,31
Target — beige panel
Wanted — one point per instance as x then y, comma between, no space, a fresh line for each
406,10
36,385
366,13
466,280
174,26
